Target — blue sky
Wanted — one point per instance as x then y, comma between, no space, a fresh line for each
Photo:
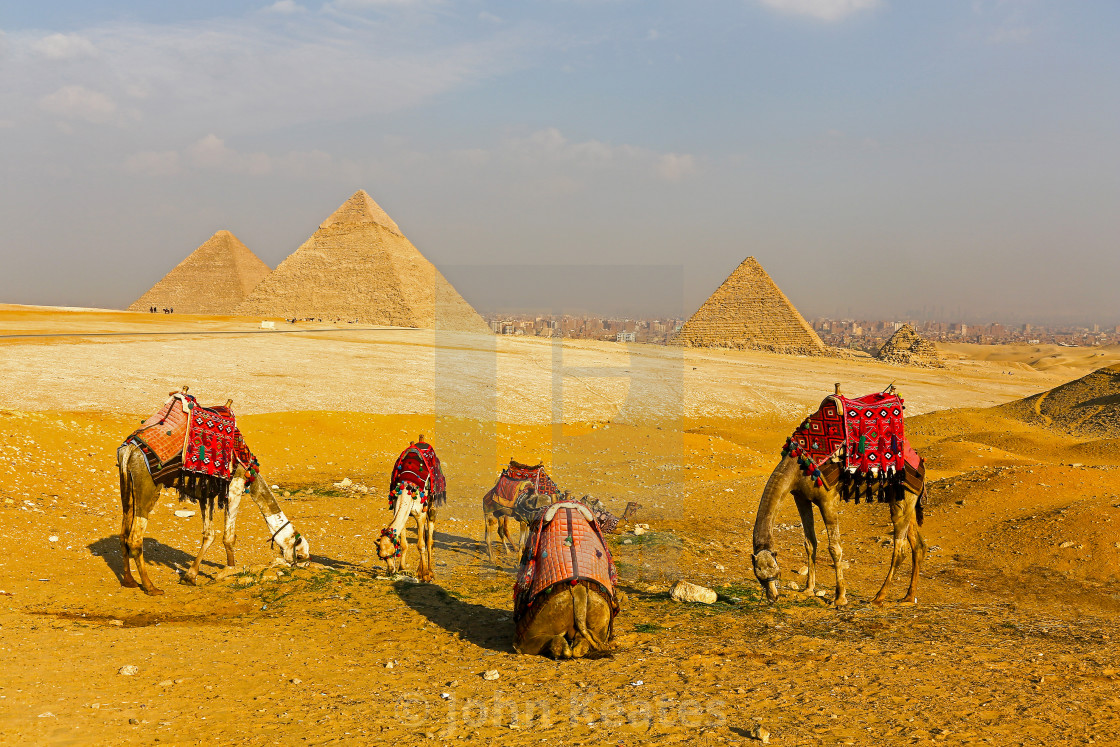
880,158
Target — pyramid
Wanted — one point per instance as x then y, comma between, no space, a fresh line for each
359,267
909,348
749,311
213,279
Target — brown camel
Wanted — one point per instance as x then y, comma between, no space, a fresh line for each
906,516
501,518
571,623
140,493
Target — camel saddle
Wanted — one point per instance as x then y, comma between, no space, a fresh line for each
859,442
565,546
418,465
542,483
183,436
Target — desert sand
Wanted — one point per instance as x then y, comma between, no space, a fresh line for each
1013,640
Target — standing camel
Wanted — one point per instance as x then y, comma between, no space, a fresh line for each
787,477
140,493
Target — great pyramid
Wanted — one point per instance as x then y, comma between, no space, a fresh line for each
359,267
213,279
749,311
909,348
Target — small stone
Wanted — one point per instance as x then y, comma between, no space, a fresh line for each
720,567
760,733
683,591
639,530
166,683
792,585
46,714
389,665
184,513
128,670
1066,544
628,542
53,538
822,593
344,483
803,570
295,680
134,721
491,674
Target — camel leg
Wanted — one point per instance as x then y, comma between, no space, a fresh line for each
832,525
805,509
901,528
208,535
229,532
126,525
135,543
503,534
917,550
491,523
429,540
424,569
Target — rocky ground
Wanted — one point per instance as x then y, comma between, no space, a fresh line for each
1012,642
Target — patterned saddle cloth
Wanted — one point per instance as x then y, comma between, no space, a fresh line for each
418,465
542,483
184,436
862,438
565,545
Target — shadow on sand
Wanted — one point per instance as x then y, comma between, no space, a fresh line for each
484,627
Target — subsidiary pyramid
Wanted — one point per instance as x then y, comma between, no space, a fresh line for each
749,311
909,348
359,267
213,279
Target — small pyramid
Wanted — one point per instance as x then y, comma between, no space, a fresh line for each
748,311
909,348
359,267
213,279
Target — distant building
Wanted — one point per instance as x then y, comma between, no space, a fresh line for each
625,337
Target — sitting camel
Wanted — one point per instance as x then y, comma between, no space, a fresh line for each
417,488
564,596
823,484
140,493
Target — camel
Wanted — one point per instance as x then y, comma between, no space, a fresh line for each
140,493
787,477
392,546
498,517
570,624
417,488
564,604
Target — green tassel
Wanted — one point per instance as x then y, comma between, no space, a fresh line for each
862,445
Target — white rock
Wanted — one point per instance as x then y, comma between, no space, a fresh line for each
822,593
627,542
1066,544
53,538
639,530
793,585
759,733
129,670
389,665
166,683
803,570
345,483
295,680
683,591
183,513
491,674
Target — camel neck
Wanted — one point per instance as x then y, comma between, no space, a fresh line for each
780,482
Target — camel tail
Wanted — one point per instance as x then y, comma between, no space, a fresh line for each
919,513
123,454
580,613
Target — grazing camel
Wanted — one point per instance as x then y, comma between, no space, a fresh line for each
564,598
787,477
417,488
392,546
140,493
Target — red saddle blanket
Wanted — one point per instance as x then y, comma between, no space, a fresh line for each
542,483
866,434
206,440
507,491
565,545
418,465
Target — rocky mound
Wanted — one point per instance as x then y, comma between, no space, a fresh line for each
908,348
1087,407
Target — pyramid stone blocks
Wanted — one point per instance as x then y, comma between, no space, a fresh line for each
213,279
358,266
748,311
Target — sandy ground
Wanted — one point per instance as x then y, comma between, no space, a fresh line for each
1013,641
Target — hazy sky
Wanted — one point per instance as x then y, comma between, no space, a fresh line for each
879,157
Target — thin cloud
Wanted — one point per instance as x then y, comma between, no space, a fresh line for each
64,47
77,102
151,163
285,7
822,10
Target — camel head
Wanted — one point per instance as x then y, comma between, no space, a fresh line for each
389,545
767,572
300,550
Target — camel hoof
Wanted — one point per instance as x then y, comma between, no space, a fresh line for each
130,583
877,603
154,592
190,578
908,600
